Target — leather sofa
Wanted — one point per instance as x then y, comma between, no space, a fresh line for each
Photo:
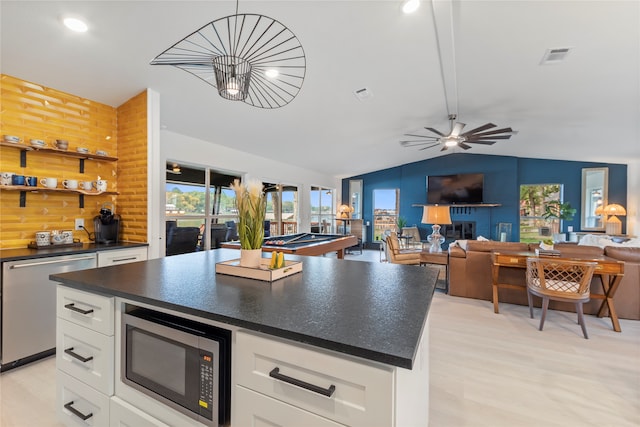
470,274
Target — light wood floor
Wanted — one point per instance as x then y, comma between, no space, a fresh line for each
494,370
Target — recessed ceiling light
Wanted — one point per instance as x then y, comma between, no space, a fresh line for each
75,24
271,73
410,6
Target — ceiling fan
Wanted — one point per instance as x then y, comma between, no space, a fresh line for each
456,138
174,169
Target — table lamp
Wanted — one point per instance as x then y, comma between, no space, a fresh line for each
435,214
614,225
345,211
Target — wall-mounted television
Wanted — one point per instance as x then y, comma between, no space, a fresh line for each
464,188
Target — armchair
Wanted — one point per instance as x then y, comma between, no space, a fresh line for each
401,256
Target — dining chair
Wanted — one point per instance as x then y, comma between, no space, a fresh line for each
559,279
414,241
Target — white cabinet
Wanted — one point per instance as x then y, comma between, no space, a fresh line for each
347,391
86,309
260,410
77,404
124,415
122,256
85,357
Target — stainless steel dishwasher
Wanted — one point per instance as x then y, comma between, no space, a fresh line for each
29,305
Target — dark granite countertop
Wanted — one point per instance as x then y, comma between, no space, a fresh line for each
371,310
26,253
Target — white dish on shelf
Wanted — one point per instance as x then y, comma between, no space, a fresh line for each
36,142
11,138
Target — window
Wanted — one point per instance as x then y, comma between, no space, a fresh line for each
282,208
385,211
534,200
322,211
198,197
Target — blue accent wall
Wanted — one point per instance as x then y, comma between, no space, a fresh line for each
503,176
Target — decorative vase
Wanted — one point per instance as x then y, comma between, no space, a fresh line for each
546,246
250,257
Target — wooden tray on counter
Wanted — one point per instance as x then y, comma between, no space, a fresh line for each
263,273
33,245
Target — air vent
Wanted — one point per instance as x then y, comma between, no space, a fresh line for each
554,56
363,94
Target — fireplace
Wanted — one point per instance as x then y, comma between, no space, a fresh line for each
459,230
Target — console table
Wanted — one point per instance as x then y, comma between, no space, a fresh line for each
610,271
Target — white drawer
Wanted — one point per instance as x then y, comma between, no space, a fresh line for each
75,344
363,392
122,414
86,309
121,256
81,401
259,410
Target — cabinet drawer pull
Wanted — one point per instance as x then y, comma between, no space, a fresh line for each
75,355
275,373
72,307
77,413
133,258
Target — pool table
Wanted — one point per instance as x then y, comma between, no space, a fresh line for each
304,244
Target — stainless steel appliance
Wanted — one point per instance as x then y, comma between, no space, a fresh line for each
29,306
182,363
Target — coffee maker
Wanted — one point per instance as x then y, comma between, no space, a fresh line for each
107,225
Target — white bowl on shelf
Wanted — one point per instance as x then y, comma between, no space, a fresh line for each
11,138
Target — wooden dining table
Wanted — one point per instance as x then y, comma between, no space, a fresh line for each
609,270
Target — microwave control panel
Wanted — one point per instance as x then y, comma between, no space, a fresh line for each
207,384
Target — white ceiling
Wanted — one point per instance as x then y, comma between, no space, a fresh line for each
586,108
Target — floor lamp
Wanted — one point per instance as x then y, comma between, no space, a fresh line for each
435,214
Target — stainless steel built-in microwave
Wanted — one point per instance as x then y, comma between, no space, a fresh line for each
183,364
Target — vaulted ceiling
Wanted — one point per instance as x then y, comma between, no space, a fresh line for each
479,59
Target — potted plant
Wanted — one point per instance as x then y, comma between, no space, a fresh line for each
401,223
251,204
556,211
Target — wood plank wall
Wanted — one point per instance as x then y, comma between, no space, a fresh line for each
33,111
132,167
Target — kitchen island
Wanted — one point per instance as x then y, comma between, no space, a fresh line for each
336,317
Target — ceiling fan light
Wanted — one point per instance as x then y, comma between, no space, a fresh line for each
410,6
450,142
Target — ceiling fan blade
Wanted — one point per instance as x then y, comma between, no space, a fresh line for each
436,131
421,136
475,138
485,142
480,129
463,146
457,128
416,143
430,146
495,132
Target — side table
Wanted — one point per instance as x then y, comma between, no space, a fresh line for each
437,258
